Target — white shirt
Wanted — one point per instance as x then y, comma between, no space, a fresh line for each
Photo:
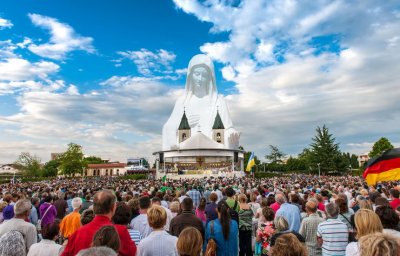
352,249
181,198
141,224
392,232
26,228
169,218
158,243
45,248
219,194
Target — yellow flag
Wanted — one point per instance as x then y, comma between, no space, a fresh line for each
251,162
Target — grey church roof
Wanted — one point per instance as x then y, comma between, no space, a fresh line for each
218,122
184,125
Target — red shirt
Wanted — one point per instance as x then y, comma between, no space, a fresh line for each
395,203
321,207
275,206
82,238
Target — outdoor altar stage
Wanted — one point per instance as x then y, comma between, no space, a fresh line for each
200,163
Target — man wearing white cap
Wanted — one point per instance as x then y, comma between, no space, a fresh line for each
72,221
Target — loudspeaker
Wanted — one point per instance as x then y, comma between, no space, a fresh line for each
236,157
161,158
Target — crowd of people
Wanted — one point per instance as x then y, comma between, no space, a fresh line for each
282,216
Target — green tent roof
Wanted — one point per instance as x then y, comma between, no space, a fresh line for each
184,125
218,122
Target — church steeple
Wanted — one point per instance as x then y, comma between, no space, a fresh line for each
184,125
218,122
183,129
218,129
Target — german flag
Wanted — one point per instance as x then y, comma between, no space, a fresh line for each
385,167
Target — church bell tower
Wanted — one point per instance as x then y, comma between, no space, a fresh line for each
218,129
184,129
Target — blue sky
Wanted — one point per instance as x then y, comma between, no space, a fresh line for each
106,75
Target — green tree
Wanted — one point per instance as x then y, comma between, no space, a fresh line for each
296,164
306,157
275,167
380,146
50,169
94,160
325,152
354,161
72,161
30,165
350,160
276,155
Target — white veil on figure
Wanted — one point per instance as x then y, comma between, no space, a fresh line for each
204,108
201,60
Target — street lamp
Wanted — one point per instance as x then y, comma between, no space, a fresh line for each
319,170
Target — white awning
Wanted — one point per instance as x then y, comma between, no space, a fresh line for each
200,141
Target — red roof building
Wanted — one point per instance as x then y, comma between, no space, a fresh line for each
106,169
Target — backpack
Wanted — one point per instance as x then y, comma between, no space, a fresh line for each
234,214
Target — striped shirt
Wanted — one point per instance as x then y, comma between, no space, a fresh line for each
158,243
335,235
135,236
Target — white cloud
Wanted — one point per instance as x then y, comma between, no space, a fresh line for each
72,90
17,73
5,23
63,39
7,49
27,41
124,119
285,90
148,63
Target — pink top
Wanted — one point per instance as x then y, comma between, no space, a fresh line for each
275,206
201,215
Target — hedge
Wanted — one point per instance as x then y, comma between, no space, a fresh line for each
133,177
261,175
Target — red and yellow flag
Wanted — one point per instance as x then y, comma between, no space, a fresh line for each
385,167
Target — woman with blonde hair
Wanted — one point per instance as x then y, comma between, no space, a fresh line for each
378,244
159,242
175,208
190,242
366,222
365,204
288,245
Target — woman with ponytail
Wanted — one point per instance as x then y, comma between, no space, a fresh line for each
223,231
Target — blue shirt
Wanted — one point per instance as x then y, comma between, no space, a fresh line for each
291,214
195,195
69,202
211,211
224,247
33,217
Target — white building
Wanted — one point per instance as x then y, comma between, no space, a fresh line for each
9,169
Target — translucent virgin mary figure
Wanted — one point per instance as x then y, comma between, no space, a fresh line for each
201,103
